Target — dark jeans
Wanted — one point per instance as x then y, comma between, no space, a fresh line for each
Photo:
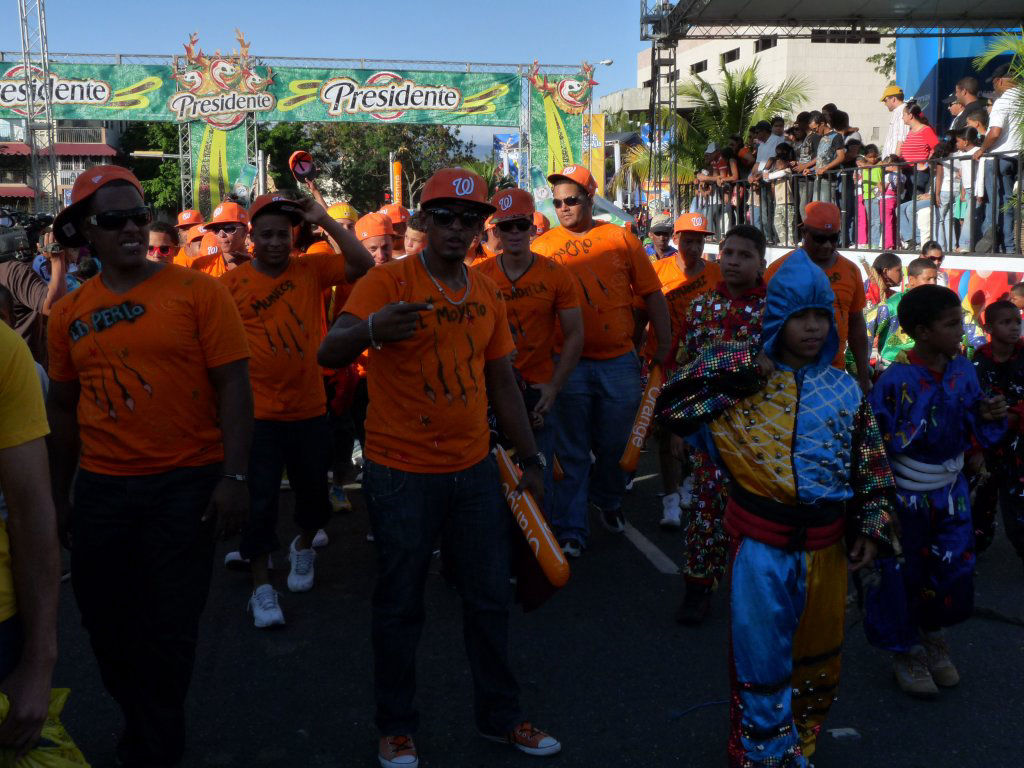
304,449
346,428
10,645
409,511
140,569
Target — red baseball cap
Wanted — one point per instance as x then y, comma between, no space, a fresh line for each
692,222
577,174
456,184
822,217
398,214
228,212
189,218
512,204
541,223
65,225
274,202
374,225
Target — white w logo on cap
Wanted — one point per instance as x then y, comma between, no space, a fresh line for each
463,186
569,169
505,203
698,221
96,179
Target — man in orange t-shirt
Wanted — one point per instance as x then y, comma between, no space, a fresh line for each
230,225
189,250
280,299
439,348
684,276
213,261
821,225
540,298
597,405
377,234
150,402
399,217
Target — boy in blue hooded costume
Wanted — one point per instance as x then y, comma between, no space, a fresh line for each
929,405
806,469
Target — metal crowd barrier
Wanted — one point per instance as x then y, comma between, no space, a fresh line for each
965,205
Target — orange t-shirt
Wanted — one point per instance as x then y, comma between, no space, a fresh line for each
428,395
848,287
533,302
147,404
283,319
214,265
182,259
679,291
611,269
320,246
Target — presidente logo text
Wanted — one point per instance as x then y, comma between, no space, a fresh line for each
14,90
386,96
220,90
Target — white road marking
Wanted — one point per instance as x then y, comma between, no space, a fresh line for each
660,560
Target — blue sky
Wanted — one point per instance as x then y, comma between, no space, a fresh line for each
437,30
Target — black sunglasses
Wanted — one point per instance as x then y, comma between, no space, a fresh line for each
571,201
445,218
115,220
228,228
822,239
521,224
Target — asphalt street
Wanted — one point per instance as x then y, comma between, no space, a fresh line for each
602,666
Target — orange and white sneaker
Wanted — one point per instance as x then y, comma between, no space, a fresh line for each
397,752
528,739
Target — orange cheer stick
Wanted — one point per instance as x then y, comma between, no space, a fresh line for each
532,523
557,473
642,422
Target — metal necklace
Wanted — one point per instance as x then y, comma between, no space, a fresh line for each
440,288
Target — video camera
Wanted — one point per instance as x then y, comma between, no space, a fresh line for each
19,233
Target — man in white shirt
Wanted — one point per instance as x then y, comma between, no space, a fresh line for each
1003,140
769,136
892,97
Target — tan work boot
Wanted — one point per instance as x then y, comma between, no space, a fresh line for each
911,671
939,663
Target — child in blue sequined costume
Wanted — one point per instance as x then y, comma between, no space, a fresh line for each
928,408
806,468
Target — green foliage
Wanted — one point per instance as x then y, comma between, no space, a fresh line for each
278,141
355,157
1012,44
885,62
492,172
161,179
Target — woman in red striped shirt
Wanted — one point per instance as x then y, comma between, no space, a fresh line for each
915,150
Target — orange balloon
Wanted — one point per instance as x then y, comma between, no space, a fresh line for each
531,522
644,417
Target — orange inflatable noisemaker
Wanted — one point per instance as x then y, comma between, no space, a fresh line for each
642,422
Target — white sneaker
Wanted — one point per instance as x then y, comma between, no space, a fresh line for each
571,548
266,612
320,540
686,493
234,561
300,577
671,514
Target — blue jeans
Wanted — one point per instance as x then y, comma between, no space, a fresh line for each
409,512
545,439
596,408
909,231
942,223
1000,175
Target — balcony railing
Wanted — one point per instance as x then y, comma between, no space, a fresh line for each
14,176
966,205
81,135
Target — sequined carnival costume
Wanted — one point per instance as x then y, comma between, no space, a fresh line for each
710,320
927,422
806,465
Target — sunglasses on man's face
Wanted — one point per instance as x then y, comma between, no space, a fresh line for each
444,217
115,220
571,201
520,224
228,229
163,250
822,239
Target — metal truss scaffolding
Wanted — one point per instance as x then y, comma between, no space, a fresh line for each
664,99
40,133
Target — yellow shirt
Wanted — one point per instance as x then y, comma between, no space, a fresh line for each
22,419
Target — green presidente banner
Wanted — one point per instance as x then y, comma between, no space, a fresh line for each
220,90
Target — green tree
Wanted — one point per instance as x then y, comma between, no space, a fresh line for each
161,179
885,61
355,157
278,141
1011,44
491,171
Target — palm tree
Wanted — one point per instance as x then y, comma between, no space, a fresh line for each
491,172
738,103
